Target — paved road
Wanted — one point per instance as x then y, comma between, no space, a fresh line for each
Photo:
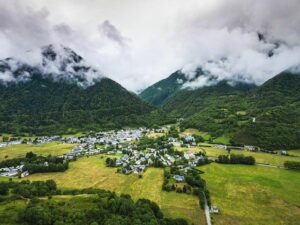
207,213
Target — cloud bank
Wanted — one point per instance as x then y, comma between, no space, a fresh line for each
138,43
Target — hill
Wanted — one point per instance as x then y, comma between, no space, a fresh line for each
159,92
267,116
54,90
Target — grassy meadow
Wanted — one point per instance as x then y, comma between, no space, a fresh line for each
253,194
92,172
17,151
261,157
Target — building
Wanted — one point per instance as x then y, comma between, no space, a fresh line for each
214,209
178,178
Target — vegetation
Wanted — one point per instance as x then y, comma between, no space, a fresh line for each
42,106
253,194
159,92
260,157
37,164
27,189
19,151
105,209
236,159
292,165
92,173
228,111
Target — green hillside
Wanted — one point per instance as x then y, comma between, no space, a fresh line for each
59,92
45,106
230,110
159,92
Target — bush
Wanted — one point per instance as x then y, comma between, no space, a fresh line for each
236,159
292,165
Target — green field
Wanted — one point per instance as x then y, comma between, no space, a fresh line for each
17,151
204,135
92,172
261,157
253,194
294,152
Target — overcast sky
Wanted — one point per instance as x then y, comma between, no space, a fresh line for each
138,42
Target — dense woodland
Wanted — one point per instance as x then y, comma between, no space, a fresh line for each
42,106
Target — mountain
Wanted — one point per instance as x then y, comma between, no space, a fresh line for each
210,73
53,90
276,106
159,92
267,116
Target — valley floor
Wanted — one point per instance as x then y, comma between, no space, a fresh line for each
92,172
245,195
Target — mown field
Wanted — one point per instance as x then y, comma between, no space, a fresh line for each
92,172
253,194
52,148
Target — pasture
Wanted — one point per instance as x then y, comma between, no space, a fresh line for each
17,151
92,172
261,157
253,194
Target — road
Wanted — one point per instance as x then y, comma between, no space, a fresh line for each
207,213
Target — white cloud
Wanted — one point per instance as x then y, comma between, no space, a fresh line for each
141,42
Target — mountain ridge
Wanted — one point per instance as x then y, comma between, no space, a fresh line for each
55,94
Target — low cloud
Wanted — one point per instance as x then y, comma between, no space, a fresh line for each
138,44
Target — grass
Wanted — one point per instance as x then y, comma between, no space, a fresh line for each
206,136
9,211
253,194
222,139
261,157
17,151
241,113
156,135
294,153
92,172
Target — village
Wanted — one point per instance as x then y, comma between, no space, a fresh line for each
122,146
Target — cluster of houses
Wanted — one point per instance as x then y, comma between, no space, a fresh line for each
189,141
114,142
135,161
38,140
111,142
13,171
